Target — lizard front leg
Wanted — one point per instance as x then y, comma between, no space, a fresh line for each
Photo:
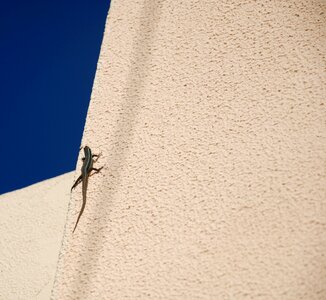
97,157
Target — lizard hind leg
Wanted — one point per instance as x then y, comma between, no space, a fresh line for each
78,181
96,170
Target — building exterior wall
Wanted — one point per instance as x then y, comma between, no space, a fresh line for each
210,116
31,227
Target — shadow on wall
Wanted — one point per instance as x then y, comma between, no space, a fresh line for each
148,22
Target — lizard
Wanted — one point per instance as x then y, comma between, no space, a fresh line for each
86,170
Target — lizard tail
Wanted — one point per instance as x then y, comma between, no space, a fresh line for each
84,203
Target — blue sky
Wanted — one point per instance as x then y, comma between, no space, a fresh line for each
48,56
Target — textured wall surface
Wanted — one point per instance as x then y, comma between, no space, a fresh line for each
210,116
31,227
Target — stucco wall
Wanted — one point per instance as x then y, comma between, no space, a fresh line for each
210,116
31,228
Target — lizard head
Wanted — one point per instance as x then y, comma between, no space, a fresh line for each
87,150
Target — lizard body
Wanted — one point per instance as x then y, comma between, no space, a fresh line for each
86,169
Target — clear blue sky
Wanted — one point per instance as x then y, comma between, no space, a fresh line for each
48,56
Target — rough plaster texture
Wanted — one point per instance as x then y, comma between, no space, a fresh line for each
210,116
31,228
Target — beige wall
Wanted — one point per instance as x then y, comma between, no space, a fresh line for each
31,227
211,119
